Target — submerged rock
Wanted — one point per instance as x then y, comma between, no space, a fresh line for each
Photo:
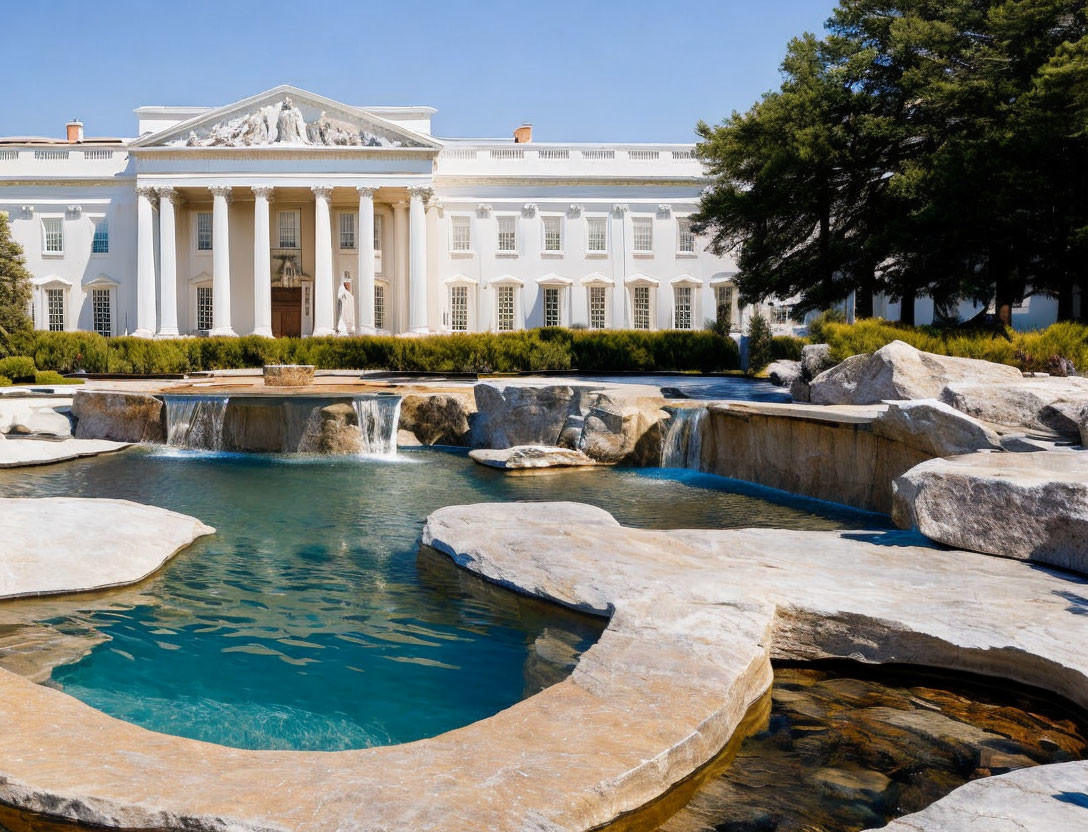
122,417
530,456
899,371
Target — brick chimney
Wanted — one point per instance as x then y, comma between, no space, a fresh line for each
523,134
75,131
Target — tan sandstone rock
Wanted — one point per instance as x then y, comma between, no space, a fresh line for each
339,430
899,371
438,418
1031,506
288,375
122,417
530,456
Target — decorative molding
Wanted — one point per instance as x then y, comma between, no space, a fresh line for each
171,194
574,210
27,211
483,210
367,191
529,209
148,192
225,191
267,192
621,209
664,209
322,191
438,206
75,210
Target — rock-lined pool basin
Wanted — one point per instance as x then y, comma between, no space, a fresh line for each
310,621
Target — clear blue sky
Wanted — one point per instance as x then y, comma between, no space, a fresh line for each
638,70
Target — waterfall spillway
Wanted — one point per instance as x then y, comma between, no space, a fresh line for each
683,443
195,421
378,419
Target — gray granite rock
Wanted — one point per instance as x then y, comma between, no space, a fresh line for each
934,428
815,358
1043,403
525,457
783,373
1032,506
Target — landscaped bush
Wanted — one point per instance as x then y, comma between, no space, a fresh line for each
529,350
787,347
1025,350
5,381
18,368
53,377
760,344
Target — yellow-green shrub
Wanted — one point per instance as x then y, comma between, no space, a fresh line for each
53,377
17,367
5,381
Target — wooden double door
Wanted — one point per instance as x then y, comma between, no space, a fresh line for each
287,311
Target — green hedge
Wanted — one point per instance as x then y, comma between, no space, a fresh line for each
1026,350
530,350
18,368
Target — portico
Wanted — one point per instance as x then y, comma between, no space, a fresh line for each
237,258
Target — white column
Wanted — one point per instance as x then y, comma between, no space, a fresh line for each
262,263
168,263
145,262
417,259
324,290
221,199
364,283
400,246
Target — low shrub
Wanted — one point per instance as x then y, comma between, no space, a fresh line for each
18,368
787,347
5,381
53,377
527,350
760,344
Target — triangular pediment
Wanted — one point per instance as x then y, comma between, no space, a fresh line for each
287,117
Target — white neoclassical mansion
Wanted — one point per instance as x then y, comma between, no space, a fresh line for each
291,214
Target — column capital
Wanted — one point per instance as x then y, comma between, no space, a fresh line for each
322,191
401,204
148,192
263,191
366,191
224,191
169,194
424,192
620,210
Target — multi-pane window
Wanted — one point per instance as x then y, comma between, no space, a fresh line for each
100,243
288,227
508,234
506,309
685,241
102,312
459,308
723,301
640,297
597,234
204,231
682,308
551,306
53,239
642,236
553,233
54,309
203,307
460,234
347,230
378,232
598,296
379,306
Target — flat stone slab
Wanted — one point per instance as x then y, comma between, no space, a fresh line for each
527,457
17,453
1032,506
45,414
695,618
68,544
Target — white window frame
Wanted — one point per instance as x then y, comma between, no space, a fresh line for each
459,283
456,221
196,232
727,284
503,283
352,218
638,222
297,215
102,283
39,298
561,285
683,223
500,219
201,281
381,304
641,281
597,252
379,227
46,222
558,219
104,224
590,283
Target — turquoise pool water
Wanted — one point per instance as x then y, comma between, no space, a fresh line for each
311,620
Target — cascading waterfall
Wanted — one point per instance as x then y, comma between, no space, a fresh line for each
195,421
378,420
683,443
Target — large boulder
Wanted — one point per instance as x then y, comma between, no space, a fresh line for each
525,457
1046,403
514,414
338,430
1027,506
622,429
782,372
438,418
815,358
899,371
122,417
934,428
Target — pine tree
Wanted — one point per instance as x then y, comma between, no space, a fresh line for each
14,283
